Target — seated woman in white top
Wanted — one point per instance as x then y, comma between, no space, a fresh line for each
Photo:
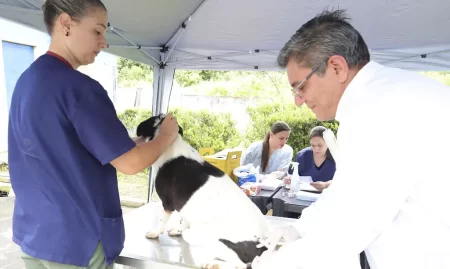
271,154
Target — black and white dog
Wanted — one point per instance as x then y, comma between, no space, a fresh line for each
215,212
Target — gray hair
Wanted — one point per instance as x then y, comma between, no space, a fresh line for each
76,9
327,34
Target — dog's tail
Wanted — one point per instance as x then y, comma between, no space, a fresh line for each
246,250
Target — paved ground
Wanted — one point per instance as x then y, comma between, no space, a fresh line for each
9,252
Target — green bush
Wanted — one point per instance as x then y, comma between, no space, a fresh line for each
132,117
4,167
301,120
201,129
186,78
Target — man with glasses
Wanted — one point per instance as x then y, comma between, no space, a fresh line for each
389,196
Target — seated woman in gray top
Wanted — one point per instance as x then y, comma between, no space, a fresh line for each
271,154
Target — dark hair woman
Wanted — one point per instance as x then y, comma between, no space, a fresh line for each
271,154
316,161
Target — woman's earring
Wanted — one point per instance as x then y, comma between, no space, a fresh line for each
67,33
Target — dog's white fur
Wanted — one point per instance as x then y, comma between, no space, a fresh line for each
219,209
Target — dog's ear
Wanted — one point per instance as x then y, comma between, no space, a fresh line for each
147,128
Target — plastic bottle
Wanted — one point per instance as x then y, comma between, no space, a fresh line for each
295,179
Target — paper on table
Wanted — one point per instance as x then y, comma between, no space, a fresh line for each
306,196
307,187
306,179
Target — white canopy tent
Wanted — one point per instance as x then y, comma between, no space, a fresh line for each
247,34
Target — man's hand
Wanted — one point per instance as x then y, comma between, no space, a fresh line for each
286,233
169,127
282,258
264,261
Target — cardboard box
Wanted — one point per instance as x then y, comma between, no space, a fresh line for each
206,151
226,163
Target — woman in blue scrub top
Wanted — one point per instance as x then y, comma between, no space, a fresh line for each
65,144
316,161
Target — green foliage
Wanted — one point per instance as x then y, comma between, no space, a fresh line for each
220,91
301,121
186,78
132,73
208,75
443,77
132,117
203,129
4,167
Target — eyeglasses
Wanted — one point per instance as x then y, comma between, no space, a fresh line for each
300,85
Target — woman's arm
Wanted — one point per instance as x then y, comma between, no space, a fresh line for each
249,155
142,155
95,121
286,160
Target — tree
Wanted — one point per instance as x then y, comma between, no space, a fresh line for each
133,74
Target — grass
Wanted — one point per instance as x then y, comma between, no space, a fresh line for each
4,188
135,186
4,167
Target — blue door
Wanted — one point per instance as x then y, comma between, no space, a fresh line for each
16,58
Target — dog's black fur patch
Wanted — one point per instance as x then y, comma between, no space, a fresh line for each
148,127
179,178
246,250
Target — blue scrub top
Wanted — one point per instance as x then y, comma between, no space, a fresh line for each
63,132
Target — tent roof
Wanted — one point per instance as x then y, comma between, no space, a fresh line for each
246,34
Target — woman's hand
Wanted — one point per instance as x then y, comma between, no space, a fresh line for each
287,180
320,185
169,127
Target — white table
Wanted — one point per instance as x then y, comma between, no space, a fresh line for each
166,251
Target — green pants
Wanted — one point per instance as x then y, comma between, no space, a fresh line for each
97,262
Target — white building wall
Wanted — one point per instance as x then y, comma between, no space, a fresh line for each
103,70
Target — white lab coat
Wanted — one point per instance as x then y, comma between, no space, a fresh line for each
390,195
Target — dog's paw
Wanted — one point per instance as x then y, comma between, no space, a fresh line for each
213,265
216,264
175,232
153,234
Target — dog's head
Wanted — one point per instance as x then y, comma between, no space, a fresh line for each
149,128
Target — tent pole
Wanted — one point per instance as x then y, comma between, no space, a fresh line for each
209,58
424,55
132,43
185,22
134,47
21,9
